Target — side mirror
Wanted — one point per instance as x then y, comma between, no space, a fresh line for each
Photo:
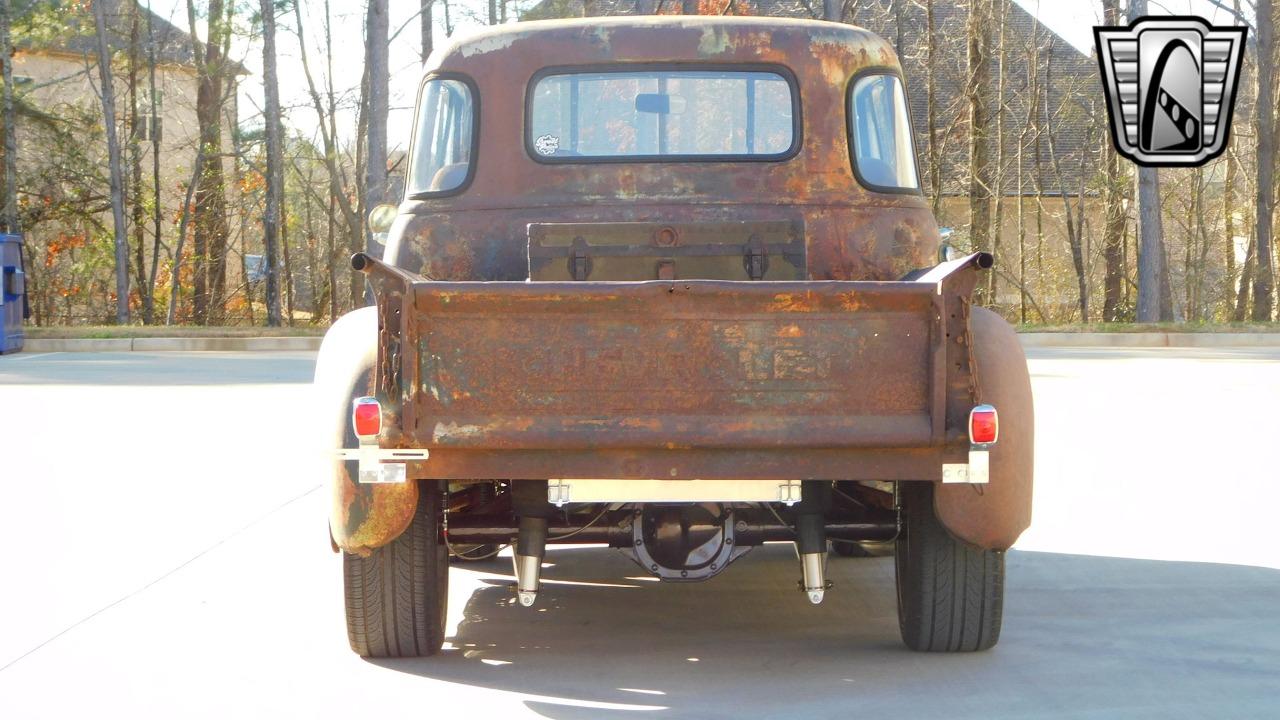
381,218
946,251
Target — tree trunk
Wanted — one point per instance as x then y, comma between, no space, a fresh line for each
376,154
1229,225
11,222
183,222
1113,228
689,7
1264,275
931,85
998,188
157,213
1150,246
1150,227
979,95
272,220
211,230
428,44
137,213
1246,283
832,10
113,162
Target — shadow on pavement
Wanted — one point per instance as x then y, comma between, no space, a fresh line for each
1083,636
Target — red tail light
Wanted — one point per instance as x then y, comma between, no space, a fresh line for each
984,425
366,417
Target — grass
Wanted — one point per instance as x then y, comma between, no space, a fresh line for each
162,331
1230,327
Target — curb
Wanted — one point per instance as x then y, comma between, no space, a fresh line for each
1149,340
193,344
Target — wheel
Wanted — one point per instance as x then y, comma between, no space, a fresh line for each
397,597
950,594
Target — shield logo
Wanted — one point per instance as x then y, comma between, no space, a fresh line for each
1170,85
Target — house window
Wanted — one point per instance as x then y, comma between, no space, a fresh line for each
147,131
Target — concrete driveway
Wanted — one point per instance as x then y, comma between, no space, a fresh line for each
167,557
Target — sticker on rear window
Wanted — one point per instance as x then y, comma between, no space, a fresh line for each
547,144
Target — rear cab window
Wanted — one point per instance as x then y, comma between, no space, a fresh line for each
883,153
662,114
444,142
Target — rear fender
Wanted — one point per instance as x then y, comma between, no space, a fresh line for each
992,516
361,517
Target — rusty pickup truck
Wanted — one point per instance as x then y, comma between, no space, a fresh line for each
669,285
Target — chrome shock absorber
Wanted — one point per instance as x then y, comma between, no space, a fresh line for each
811,537
529,500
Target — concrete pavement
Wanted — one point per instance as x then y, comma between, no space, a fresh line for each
168,559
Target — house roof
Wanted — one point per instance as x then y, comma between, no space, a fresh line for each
173,45
1074,102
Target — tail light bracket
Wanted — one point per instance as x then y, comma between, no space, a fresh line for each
376,465
984,431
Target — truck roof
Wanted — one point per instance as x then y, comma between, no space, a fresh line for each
839,50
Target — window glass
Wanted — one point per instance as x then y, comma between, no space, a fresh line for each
661,113
442,151
881,128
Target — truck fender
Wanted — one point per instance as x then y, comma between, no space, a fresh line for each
361,517
992,516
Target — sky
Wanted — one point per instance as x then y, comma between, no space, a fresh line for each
1071,19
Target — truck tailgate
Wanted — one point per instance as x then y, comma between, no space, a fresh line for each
720,369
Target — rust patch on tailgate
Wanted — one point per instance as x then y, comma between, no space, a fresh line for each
685,379
669,365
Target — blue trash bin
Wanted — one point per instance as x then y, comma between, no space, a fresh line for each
13,294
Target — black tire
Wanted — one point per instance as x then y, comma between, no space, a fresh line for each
398,596
950,594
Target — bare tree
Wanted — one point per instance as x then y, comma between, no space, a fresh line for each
1075,241
273,217
10,127
157,212
1150,228
137,211
998,188
1264,276
931,105
113,160
979,92
211,229
425,18
379,82
1113,229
